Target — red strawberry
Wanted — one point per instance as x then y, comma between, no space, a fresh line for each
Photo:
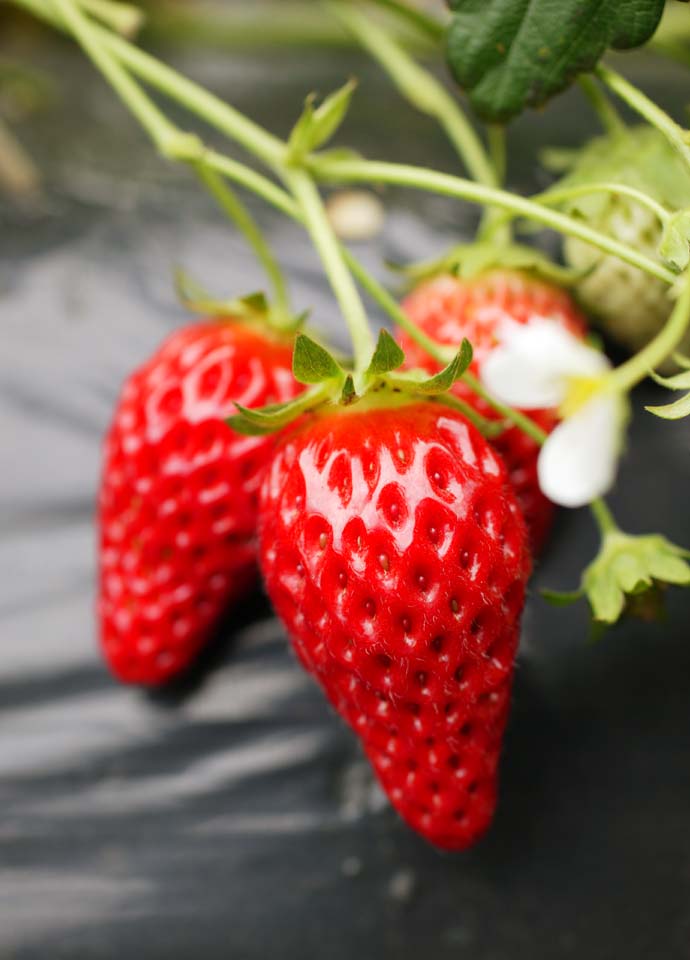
179,491
394,550
449,308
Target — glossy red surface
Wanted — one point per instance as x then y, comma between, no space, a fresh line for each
178,497
449,308
393,548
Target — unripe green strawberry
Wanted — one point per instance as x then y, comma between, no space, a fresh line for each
630,305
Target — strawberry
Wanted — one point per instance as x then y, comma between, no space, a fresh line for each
179,491
448,308
629,305
394,551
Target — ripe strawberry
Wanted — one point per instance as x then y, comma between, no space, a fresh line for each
393,549
179,490
448,308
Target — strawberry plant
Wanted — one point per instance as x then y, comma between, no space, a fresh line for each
395,485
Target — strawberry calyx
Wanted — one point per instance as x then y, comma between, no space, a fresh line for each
254,309
628,575
470,260
680,381
383,382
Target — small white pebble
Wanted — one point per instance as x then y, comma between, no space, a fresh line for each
351,867
401,885
355,214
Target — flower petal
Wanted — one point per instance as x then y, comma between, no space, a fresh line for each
532,364
579,459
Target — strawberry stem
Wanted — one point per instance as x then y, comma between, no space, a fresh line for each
167,137
604,517
653,114
421,89
609,117
123,18
230,203
561,194
427,25
271,151
315,220
637,368
420,178
438,351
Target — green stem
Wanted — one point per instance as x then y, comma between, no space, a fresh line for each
560,194
173,142
194,97
520,420
315,220
271,150
245,223
420,88
159,127
488,428
378,293
419,178
630,373
123,18
421,21
442,354
609,117
652,113
246,177
498,151
604,517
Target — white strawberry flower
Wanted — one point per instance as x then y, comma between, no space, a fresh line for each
542,365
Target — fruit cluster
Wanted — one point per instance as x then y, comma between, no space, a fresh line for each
390,533
395,504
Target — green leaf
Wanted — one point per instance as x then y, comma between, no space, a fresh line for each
510,54
672,411
317,125
387,355
311,363
675,243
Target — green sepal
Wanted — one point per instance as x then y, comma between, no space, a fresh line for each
416,381
348,394
275,416
317,125
680,381
387,355
562,598
628,576
471,260
196,299
672,411
681,361
674,248
312,364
